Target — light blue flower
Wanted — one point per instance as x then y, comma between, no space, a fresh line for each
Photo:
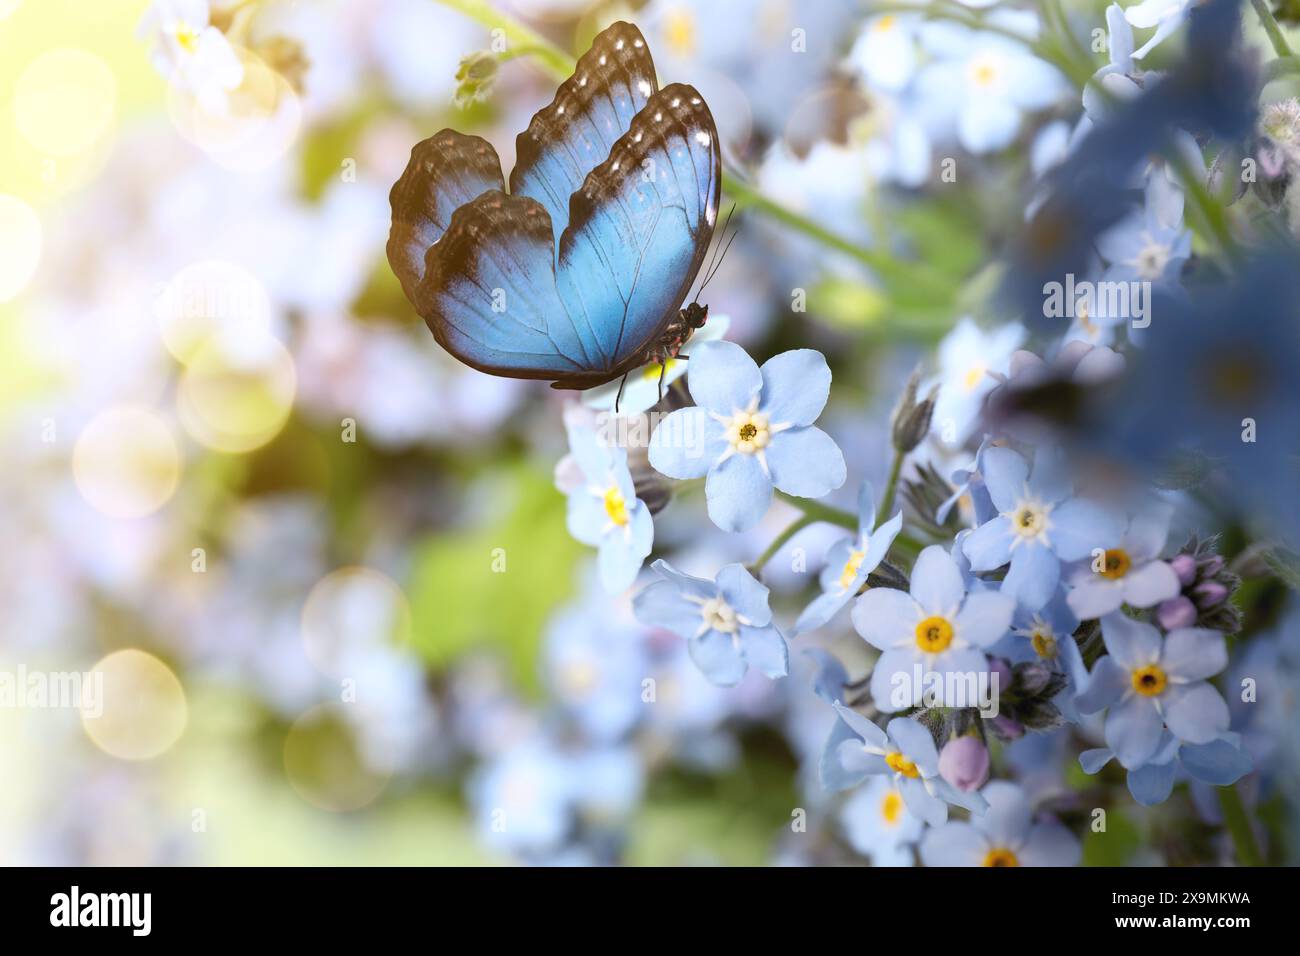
1165,15
1145,247
885,52
1113,82
1130,573
971,364
904,753
646,385
751,429
1039,524
1220,763
1006,835
938,629
726,622
1149,684
849,562
1047,636
523,799
878,825
605,512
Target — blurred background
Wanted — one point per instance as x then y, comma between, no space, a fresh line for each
322,567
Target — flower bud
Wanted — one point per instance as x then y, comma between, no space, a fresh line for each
1209,593
1184,566
1175,613
475,76
912,418
964,763
1006,728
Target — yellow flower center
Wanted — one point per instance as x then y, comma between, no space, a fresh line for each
1149,681
933,635
900,764
888,22
891,808
851,567
974,375
616,506
1152,260
1044,643
680,32
984,73
188,38
654,372
718,615
1115,564
1001,856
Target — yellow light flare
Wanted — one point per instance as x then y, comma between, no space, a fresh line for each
142,710
126,463
324,762
20,245
349,610
237,402
208,299
64,101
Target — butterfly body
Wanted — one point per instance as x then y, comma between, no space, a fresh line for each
577,274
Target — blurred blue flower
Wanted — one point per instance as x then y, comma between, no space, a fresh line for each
1039,524
726,622
1005,836
751,429
1165,15
605,512
849,562
878,824
1149,684
1220,763
904,753
971,363
936,629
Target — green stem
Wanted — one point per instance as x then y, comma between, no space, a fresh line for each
779,541
1238,823
1275,37
820,512
1280,67
891,489
516,34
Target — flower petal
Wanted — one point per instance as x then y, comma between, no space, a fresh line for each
1194,653
738,493
1150,584
662,605
1032,578
1095,597
1006,821
766,649
937,584
717,657
1133,643
1051,844
989,545
796,385
984,617
1151,784
922,802
1195,713
894,669
1218,762
1005,473
863,727
806,462
746,596
1133,730
1093,760
1079,527
916,743
1107,684
954,844
722,377
680,446
885,617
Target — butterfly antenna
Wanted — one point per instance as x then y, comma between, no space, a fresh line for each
715,260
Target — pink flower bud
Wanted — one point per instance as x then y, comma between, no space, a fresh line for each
1175,613
1184,566
1212,565
964,763
1006,728
999,666
1209,593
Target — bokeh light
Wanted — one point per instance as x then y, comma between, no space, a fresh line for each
211,299
324,763
352,610
20,245
143,706
64,101
126,463
237,399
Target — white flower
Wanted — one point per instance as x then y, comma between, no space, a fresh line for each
972,362
192,54
1165,15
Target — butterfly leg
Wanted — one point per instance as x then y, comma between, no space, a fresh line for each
663,370
619,397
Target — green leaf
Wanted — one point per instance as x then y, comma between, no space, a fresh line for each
1114,845
494,586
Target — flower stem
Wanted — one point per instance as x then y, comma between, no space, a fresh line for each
891,489
1275,37
517,34
1238,823
779,541
820,512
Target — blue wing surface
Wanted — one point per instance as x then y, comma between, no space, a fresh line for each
592,109
640,225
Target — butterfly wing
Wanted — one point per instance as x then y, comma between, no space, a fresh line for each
490,296
639,227
592,109
445,172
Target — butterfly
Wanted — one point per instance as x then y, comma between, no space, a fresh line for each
577,275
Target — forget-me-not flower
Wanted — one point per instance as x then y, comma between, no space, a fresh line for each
971,364
1149,684
848,563
750,430
936,629
878,825
1220,763
1165,15
1047,636
1039,524
904,752
1006,835
726,622
1129,574
604,510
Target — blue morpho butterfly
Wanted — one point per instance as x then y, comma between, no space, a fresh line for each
578,274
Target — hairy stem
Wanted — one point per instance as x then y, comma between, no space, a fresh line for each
779,542
1269,22
891,489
